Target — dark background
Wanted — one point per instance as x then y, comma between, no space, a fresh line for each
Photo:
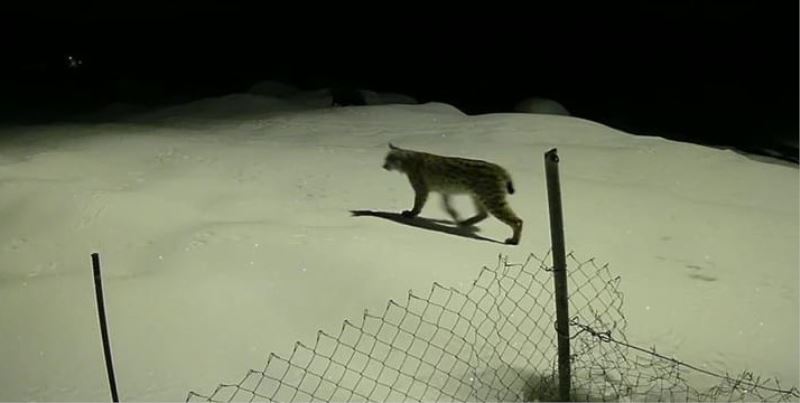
721,73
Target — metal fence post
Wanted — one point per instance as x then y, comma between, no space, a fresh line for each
559,273
101,313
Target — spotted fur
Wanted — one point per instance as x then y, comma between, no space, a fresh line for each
485,182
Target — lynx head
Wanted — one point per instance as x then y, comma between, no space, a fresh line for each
395,159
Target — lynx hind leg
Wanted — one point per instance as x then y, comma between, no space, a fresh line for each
448,206
504,213
478,217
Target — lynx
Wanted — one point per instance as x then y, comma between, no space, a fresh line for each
485,182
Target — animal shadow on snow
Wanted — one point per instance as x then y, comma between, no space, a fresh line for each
426,223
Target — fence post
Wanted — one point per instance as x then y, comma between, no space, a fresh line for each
101,313
559,272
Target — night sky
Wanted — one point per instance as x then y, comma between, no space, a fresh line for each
723,73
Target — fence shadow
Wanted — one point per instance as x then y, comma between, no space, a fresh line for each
427,224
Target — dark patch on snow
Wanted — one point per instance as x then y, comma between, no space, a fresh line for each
425,223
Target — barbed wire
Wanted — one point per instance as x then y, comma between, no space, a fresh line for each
653,366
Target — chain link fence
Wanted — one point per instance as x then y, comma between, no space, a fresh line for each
495,341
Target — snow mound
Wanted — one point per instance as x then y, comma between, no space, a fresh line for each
235,106
541,106
273,89
387,98
323,97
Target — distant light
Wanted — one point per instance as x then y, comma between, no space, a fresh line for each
73,62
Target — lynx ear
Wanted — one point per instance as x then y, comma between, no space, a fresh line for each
391,146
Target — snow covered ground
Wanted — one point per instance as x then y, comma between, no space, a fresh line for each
225,234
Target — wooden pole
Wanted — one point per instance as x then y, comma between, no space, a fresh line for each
559,273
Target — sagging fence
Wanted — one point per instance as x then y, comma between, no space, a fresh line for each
495,341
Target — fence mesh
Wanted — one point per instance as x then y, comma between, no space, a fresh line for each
495,341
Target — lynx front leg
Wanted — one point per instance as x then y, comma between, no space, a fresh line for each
420,197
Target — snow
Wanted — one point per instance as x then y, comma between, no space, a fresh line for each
273,89
541,105
387,98
322,97
225,234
